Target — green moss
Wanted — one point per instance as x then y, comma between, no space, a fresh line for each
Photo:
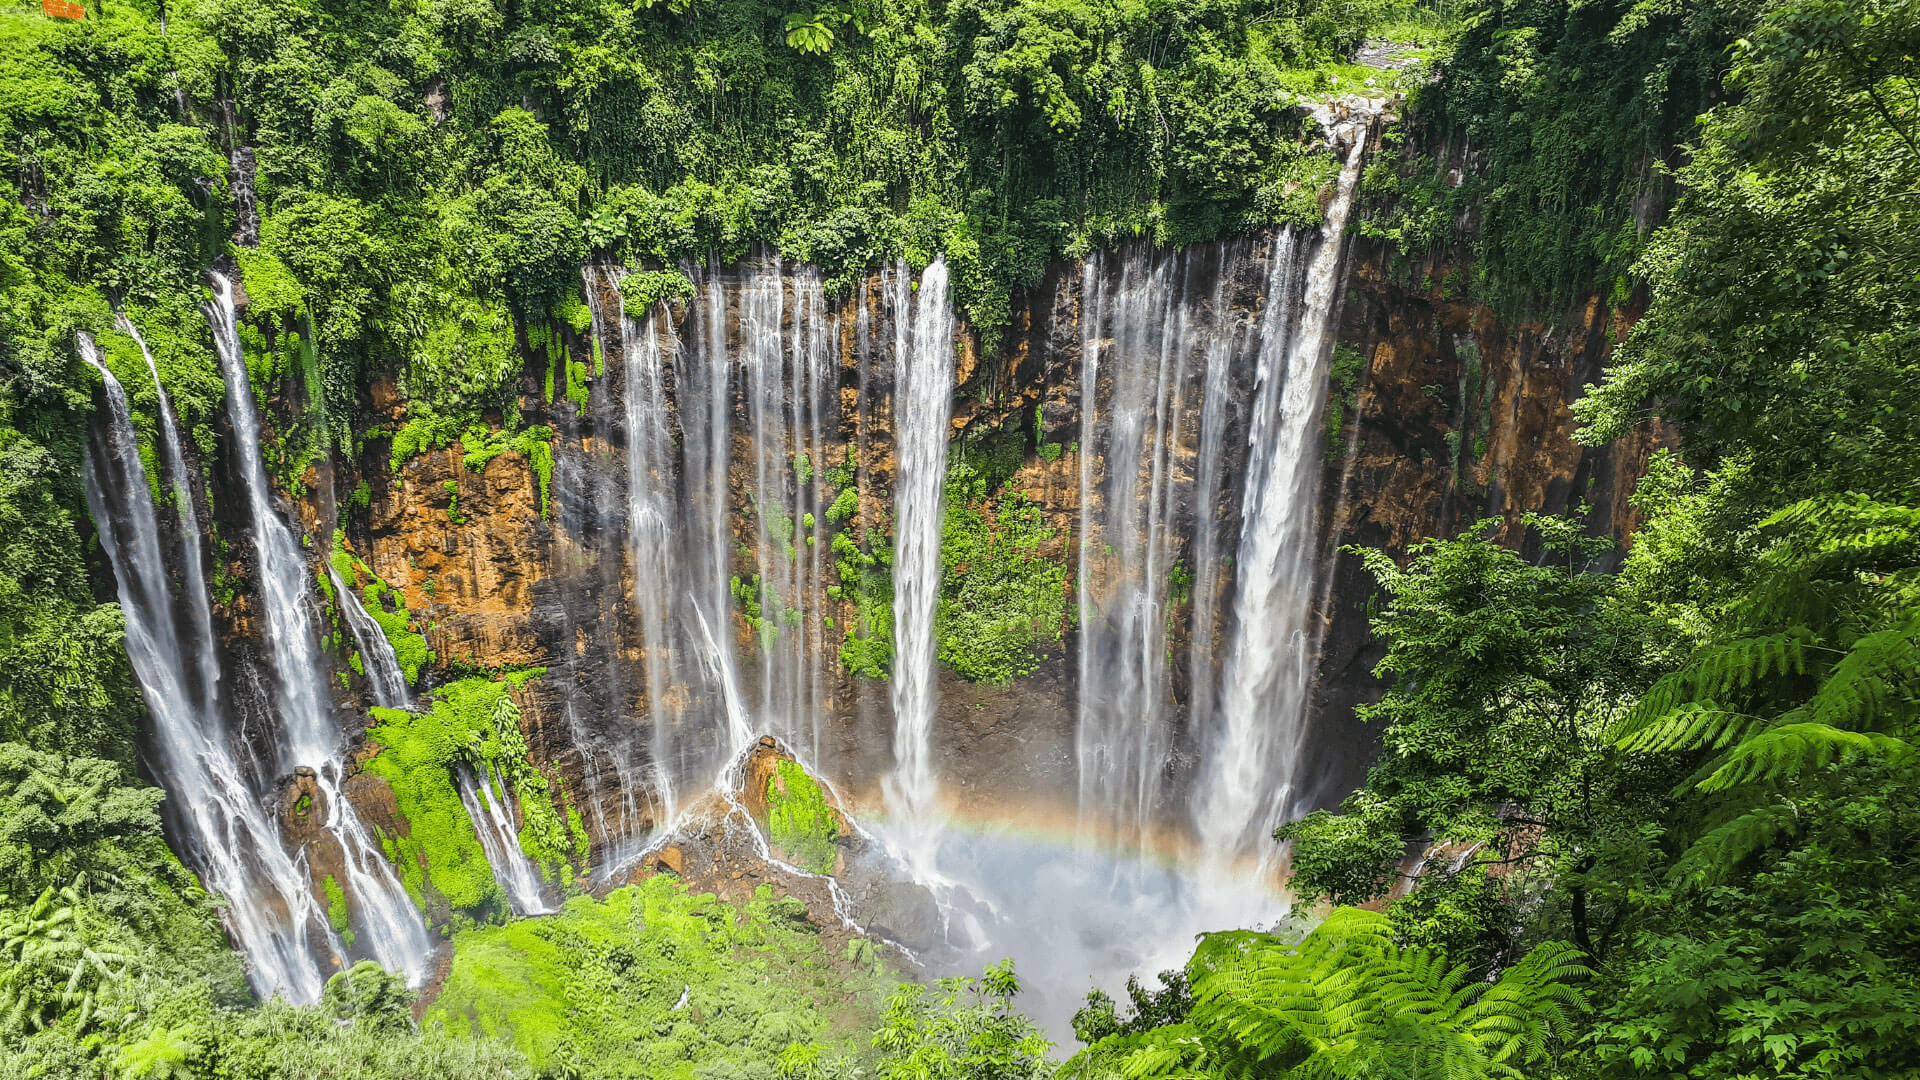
845,505
842,475
1002,596
866,581
472,721
577,381
362,495
799,821
337,916
1343,393
420,434
597,988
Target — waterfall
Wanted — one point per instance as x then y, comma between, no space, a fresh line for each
394,929
1248,782
1157,341
230,837
591,501
652,543
500,839
923,411
787,366
703,378
377,658
193,572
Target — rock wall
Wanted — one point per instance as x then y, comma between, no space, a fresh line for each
1451,415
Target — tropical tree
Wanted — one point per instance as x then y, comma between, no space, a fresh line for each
969,1031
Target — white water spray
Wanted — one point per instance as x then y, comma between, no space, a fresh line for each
231,838
1249,780
394,930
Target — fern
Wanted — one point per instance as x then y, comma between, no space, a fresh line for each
1773,704
1716,671
1873,688
1347,1002
1712,857
1793,749
1692,724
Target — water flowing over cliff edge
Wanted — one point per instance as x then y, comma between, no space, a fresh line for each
761,511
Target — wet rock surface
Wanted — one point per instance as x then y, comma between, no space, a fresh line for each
1453,415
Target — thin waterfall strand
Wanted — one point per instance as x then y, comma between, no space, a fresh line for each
1249,782
395,932
231,839
384,676
500,839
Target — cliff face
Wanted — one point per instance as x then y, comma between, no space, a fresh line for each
1445,415
1453,416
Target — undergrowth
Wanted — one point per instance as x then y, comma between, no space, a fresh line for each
439,855
799,821
656,981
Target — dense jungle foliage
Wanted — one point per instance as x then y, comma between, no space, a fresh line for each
1664,818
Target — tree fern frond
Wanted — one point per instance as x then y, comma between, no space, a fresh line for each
1873,688
1791,749
1691,725
1714,671
1716,855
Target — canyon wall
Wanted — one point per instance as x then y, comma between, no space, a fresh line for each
1446,414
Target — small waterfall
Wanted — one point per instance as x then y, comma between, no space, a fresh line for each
231,839
922,420
377,658
702,371
500,838
787,359
1248,782
193,571
395,932
1157,343
652,542
592,505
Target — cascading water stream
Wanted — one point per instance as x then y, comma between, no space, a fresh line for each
393,928
1248,780
377,657
500,839
786,371
923,411
193,572
1156,347
231,838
